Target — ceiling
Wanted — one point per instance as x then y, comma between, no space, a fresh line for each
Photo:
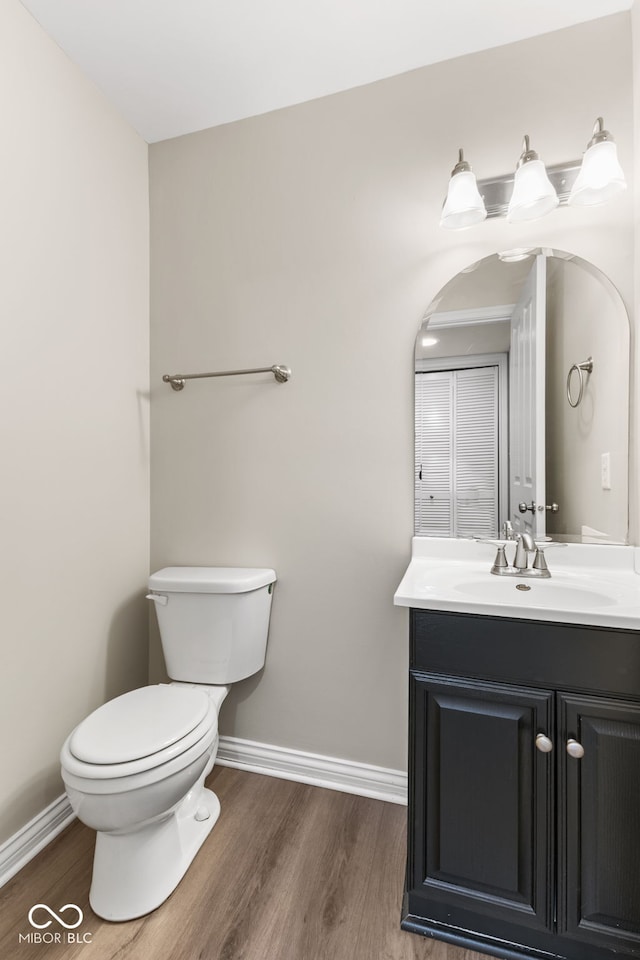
175,66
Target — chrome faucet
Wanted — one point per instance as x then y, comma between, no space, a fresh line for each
525,545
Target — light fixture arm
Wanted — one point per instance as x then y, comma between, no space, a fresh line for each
462,166
527,153
599,135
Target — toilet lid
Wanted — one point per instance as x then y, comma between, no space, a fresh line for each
138,724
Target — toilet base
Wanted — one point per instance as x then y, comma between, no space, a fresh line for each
133,873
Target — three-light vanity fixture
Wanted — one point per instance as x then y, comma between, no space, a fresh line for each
534,190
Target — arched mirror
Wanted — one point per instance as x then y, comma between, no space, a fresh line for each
522,402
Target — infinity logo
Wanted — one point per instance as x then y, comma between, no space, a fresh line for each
56,916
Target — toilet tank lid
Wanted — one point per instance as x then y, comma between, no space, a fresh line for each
211,579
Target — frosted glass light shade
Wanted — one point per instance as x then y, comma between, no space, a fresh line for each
533,193
464,206
601,176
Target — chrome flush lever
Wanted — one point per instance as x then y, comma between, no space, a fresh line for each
160,598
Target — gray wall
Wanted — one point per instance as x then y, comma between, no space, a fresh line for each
74,510
310,236
584,320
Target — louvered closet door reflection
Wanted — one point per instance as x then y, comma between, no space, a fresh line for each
476,452
434,454
456,470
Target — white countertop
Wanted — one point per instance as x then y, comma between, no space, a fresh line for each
591,584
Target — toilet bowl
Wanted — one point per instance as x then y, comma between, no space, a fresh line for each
141,786
134,770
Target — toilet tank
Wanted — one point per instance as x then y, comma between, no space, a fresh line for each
213,621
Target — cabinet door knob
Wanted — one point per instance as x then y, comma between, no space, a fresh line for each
543,743
575,749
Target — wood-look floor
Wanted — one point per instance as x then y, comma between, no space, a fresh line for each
289,872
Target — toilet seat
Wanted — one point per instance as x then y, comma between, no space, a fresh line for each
140,731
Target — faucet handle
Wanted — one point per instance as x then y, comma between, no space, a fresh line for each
500,562
539,562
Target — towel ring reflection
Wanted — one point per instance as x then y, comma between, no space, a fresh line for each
580,368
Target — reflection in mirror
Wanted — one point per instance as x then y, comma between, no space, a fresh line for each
522,402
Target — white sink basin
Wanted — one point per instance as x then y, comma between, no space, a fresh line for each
534,593
589,584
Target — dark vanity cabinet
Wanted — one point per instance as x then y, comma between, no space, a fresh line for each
524,787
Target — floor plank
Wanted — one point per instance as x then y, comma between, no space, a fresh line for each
289,872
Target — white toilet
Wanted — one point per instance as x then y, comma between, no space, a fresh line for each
135,768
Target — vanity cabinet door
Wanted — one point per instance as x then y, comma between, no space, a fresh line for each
480,821
599,821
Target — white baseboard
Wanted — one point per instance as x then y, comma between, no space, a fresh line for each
30,840
347,776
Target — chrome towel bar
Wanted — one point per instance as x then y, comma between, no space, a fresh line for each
177,380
